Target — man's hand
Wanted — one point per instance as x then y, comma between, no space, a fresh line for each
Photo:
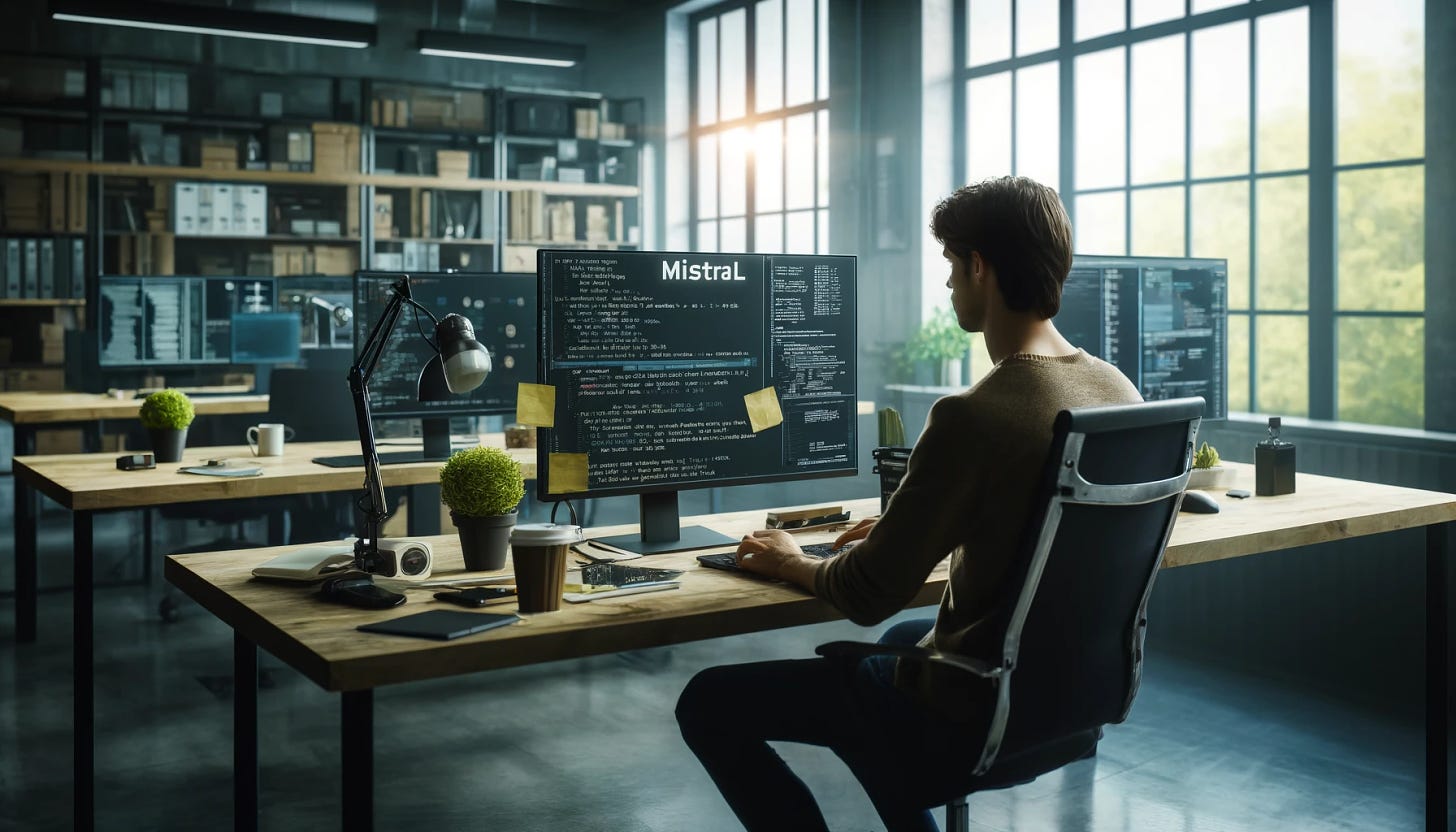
859,532
776,554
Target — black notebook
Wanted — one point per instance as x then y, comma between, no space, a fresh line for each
441,624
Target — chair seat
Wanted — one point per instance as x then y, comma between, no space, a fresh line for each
1012,768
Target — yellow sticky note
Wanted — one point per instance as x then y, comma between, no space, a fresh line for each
566,472
763,409
536,405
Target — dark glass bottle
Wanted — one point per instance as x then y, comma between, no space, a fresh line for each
1273,464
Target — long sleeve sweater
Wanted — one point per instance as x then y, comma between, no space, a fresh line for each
967,493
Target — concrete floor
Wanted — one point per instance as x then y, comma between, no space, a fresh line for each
591,744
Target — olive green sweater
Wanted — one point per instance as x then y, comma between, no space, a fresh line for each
966,493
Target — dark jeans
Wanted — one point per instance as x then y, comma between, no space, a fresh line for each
894,747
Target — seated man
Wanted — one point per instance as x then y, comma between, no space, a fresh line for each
967,493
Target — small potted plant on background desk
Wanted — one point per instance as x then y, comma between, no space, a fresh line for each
166,414
483,487
1207,472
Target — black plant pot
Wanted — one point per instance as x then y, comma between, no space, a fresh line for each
167,444
485,541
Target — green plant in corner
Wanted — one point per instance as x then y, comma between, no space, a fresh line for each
940,338
167,410
1206,456
481,482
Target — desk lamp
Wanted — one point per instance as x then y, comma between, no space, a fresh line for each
460,364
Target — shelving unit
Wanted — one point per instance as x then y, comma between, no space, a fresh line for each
120,135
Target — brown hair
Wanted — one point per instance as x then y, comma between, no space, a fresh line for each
1020,228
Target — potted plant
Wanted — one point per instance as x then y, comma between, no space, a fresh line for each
482,487
166,415
1207,472
941,344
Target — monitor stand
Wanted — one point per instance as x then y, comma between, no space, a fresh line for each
660,531
437,449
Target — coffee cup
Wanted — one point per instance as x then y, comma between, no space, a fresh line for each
267,439
538,553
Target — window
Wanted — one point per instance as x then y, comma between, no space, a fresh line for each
760,131
1286,138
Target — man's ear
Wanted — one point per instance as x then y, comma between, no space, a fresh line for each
976,268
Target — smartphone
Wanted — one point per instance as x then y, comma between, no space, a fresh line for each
478,597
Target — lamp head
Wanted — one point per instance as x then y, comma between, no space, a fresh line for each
467,363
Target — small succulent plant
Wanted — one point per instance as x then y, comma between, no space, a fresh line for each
1206,456
481,482
167,410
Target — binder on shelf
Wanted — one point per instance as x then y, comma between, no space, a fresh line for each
30,287
78,268
184,208
62,261
9,268
254,204
222,208
46,283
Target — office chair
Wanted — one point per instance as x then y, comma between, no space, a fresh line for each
1071,628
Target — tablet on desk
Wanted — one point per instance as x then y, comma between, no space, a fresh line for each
442,625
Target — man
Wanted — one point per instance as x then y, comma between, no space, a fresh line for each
967,493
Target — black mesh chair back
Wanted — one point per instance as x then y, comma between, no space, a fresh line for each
316,403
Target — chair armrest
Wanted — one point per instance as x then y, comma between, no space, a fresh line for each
863,650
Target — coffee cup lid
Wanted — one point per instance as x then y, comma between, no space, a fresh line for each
544,534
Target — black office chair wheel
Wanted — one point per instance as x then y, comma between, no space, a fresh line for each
169,611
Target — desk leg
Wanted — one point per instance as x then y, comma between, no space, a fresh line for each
357,746
84,672
245,734
1438,660
26,574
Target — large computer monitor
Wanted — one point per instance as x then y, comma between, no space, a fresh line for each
501,307
1162,321
651,355
176,321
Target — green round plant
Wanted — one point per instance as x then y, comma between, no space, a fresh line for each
481,482
1206,456
167,410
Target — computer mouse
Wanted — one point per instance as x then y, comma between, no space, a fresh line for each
1198,502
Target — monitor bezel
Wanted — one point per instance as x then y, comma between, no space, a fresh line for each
463,408
543,440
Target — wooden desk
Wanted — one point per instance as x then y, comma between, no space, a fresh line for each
90,483
320,642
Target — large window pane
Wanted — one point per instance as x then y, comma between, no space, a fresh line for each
1101,119
1147,12
1221,100
988,31
1382,371
1281,356
732,235
988,126
768,166
768,233
1380,79
1038,119
734,83
708,71
732,183
800,236
823,71
708,236
1210,5
799,169
1099,17
1157,110
1238,363
821,221
821,120
1038,25
768,55
1282,93
1282,243
1382,239
1157,222
1220,226
707,177
1101,224
799,72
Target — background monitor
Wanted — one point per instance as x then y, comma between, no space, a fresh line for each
265,338
652,354
175,321
501,307
1162,321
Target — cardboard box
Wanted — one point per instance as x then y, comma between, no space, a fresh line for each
60,441
39,380
351,212
383,215
336,260
452,164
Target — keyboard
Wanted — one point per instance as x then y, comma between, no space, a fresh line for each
729,561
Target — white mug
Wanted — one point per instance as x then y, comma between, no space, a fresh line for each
269,439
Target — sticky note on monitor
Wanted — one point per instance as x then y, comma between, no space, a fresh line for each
763,409
536,405
566,472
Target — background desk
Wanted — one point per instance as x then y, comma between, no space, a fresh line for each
89,483
320,641
27,412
